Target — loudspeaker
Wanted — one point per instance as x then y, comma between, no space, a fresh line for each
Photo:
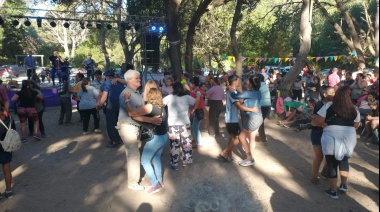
151,52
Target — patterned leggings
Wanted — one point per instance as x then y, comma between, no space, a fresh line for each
176,134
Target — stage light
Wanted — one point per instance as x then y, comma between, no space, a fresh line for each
161,29
53,24
15,22
157,28
27,22
99,26
153,28
1,21
39,22
66,25
109,26
82,25
89,25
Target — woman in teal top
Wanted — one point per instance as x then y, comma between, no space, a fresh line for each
251,120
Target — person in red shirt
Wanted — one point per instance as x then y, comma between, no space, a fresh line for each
197,112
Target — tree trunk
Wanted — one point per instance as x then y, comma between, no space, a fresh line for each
202,9
65,43
305,46
377,37
73,47
172,17
234,44
103,45
121,28
353,33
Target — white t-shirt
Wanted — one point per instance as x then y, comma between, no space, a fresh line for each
178,108
323,111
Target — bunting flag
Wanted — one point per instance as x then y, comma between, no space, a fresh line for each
230,57
331,58
318,58
279,59
257,59
335,58
225,58
354,54
269,59
261,60
275,59
243,58
249,59
287,59
326,58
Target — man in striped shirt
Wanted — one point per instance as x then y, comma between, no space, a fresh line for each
232,119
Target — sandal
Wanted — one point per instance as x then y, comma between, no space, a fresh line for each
223,159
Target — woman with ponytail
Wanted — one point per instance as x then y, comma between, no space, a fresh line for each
88,101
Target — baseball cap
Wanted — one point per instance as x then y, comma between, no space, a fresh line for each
109,73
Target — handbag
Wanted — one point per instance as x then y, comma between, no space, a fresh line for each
200,114
147,133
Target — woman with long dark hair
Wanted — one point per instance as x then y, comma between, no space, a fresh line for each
179,125
151,155
251,120
26,109
88,101
340,120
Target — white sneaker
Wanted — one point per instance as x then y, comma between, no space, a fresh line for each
98,131
247,162
85,133
136,187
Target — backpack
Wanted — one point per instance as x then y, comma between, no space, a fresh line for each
12,141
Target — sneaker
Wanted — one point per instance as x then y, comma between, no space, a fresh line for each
24,140
286,126
316,182
297,129
343,187
279,123
136,187
155,189
97,131
247,162
7,194
174,167
36,136
332,194
85,133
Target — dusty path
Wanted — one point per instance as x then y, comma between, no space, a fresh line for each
68,171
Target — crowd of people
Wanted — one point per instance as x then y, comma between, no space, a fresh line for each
175,108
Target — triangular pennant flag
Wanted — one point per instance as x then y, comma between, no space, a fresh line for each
354,54
335,58
331,58
261,59
340,57
275,59
230,57
243,58
269,59
318,59
366,57
346,56
249,59
375,60
326,58
279,59
294,59
257,59
265,59
225,58
287,59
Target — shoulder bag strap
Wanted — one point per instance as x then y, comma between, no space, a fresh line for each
1,121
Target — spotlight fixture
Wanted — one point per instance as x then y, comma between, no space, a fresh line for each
82,24
1,21
53,24
99,26
109,26
157,28
27,22
89,25
15,22
39,22
66,25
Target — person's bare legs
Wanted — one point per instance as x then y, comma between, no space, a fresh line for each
252,141
23,129
343,177
36,127
205,127
333,182
232,142
7,176
318,158
243,139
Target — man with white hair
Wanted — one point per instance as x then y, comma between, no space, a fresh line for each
129,129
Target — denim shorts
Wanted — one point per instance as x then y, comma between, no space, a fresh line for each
315,137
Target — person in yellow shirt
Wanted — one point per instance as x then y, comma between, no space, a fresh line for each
78,78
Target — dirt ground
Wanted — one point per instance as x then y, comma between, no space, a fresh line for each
68,171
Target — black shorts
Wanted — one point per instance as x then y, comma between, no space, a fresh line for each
233,129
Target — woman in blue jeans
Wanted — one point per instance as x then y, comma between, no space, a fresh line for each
151,156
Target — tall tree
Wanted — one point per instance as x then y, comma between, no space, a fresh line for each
172,18
234,44
305,46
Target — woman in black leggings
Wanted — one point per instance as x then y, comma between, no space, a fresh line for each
339,120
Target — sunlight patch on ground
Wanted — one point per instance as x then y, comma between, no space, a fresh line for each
95,192
86,160
59,145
